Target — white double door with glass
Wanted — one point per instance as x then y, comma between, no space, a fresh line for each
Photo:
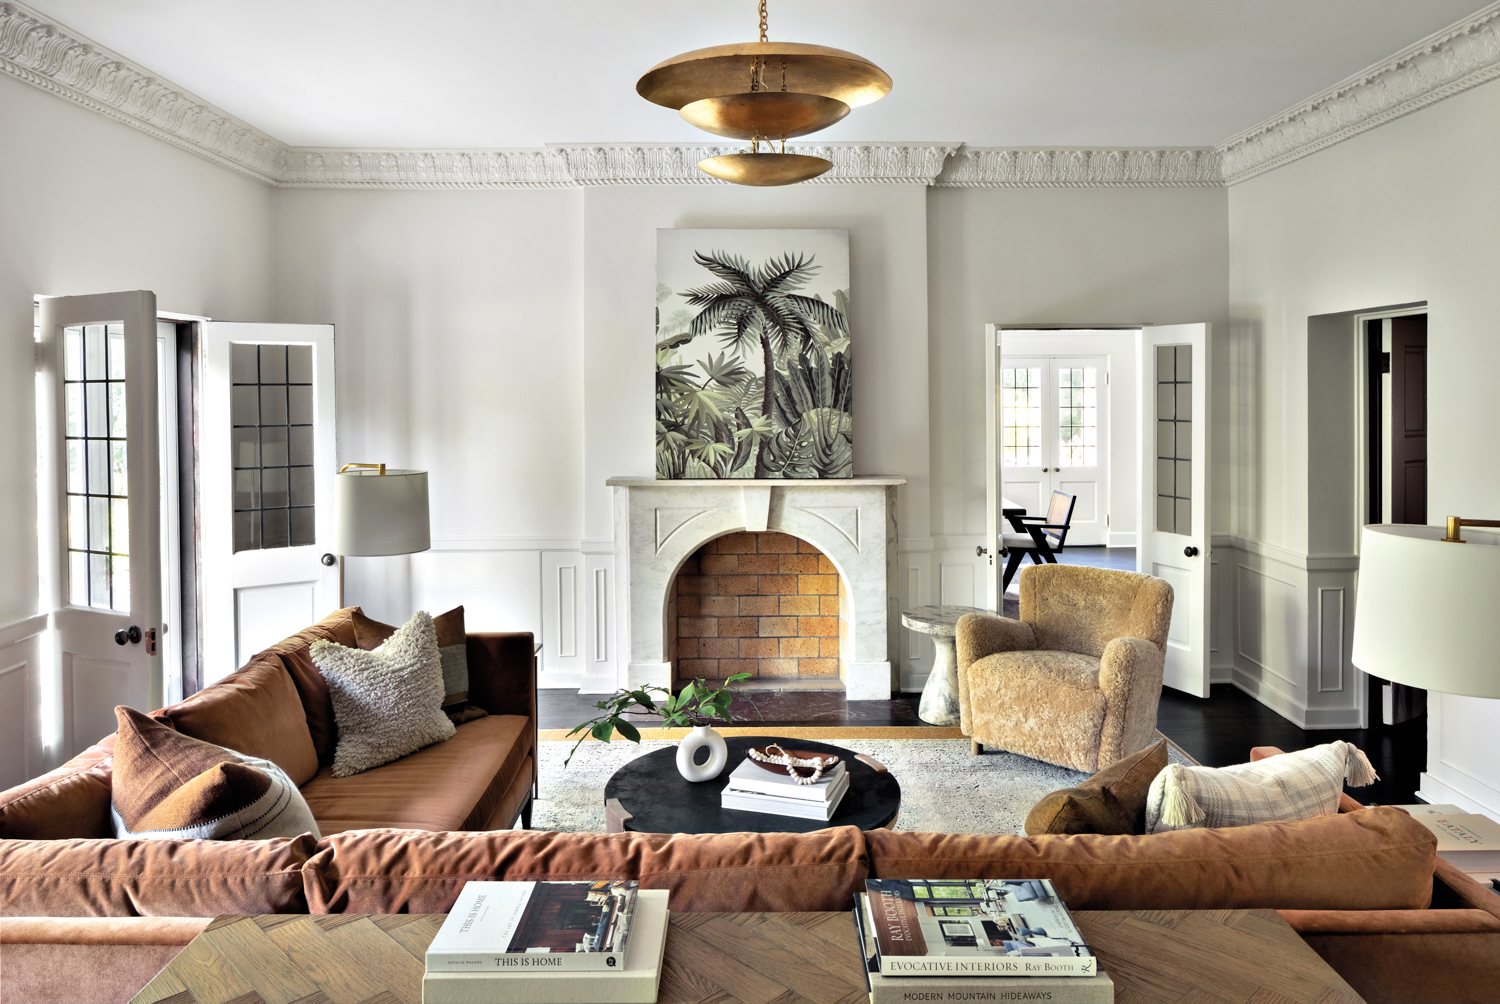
1054,417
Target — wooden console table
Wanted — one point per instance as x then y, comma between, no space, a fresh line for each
755,958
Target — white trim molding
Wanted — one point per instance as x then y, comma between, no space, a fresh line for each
1014,167
1443,64
425,169
677,163
46,55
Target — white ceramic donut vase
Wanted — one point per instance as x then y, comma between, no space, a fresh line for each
687,751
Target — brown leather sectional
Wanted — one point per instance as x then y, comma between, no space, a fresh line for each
85,917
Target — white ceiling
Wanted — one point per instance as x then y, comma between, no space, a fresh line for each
500,73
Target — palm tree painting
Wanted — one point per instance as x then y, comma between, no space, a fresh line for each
753,372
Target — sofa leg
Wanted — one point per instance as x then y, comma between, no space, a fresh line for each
526,814
976,747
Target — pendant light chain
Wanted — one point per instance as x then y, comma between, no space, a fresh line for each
763,21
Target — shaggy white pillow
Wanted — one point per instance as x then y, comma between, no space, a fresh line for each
1297,785
386,703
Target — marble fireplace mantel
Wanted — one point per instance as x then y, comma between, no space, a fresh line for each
660,524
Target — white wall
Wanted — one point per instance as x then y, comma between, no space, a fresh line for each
1403,213
89,206
458,330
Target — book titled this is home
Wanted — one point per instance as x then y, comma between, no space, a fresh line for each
973,927
536,927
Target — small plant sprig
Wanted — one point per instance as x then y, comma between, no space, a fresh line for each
695,704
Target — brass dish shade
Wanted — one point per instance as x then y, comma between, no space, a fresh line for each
726,69
764,114
764,170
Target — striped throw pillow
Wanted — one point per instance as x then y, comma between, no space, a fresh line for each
1297,785
169,786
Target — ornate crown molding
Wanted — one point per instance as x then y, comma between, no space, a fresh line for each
677,164
50,57
425,169
1011,167
1441,65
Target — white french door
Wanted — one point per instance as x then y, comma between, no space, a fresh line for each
100,516
266,461
1174,534
1054,436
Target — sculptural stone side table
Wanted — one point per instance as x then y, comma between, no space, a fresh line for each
940,695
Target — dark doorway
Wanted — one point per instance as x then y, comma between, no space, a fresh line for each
1396,423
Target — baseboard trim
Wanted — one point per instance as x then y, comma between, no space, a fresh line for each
1436,792
1121,540
1294,711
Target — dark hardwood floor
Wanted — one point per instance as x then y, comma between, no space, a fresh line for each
1217,731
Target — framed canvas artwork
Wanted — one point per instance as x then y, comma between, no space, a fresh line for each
753,372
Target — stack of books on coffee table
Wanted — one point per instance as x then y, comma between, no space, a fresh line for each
549,943
976,940
763,787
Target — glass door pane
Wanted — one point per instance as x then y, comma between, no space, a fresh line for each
1021,416
98,500
1077,416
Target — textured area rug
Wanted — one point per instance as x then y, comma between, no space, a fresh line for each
944,787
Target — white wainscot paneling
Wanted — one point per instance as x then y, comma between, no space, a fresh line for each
1463,759
92,688
956,583
1269,634
1221,623
601,648
563,627
915,650
15,736
1330,639
499,590
264,615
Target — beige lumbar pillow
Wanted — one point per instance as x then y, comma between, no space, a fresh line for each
1297,785
388,702
168,786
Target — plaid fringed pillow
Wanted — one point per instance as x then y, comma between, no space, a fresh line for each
1296,785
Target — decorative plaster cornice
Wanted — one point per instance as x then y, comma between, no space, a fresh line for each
1441,65
676,164
1011,167
50,57
425,169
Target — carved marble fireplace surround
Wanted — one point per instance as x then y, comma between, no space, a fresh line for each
659,524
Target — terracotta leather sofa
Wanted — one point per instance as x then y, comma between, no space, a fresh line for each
277,707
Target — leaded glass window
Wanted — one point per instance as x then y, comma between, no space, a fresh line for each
1021,416
271,412
1174,439
98,497
1078,416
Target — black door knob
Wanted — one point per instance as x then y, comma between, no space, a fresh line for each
328,560
131,634
1191,552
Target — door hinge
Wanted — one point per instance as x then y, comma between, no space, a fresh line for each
1106,519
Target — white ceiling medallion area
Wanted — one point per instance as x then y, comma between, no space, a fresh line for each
50,57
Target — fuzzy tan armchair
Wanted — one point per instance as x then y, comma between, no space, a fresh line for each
1076,680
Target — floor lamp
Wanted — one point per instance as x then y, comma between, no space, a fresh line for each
379,512
1425,615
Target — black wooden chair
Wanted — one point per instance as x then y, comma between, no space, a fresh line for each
1042,537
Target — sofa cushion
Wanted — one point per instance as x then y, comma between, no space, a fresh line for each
168,786
311,687
1374,859
452,642
71,801
395,871
1112,801
152,878
454,785
388,702
256,711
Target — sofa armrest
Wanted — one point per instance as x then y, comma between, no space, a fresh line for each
502,673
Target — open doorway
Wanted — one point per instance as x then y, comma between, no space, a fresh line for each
1396,455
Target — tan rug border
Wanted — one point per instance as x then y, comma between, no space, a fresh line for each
832,733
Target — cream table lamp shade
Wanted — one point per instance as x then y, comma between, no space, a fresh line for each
1426,613
380,512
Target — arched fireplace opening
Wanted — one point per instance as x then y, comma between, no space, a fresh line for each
763,603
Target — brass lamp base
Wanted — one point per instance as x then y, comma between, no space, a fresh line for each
764,169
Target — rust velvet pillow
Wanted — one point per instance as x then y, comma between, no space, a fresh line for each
1112,801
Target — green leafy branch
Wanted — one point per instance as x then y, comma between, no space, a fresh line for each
695,704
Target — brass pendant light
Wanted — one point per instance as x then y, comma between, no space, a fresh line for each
764,92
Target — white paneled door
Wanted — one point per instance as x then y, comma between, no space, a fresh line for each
266,463
1054,436
100,476
1174,535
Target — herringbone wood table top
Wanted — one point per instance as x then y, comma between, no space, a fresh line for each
1186,956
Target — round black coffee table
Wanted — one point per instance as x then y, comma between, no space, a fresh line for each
654,798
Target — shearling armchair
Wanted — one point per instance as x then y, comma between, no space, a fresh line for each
1076,680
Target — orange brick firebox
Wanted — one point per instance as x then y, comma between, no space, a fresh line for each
767,604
